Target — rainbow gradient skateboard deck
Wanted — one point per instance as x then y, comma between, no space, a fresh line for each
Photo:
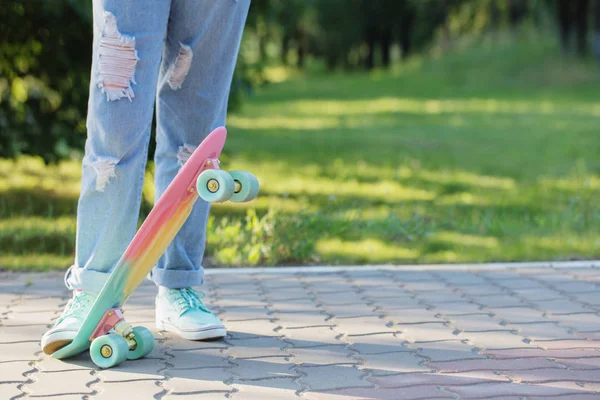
104,332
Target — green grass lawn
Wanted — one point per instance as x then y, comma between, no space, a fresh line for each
487,154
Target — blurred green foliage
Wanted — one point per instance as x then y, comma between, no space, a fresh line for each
44,77
45,52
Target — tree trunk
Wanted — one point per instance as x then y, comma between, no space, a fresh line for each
285,47
386,46
371,39
563,12
597,29
581,20
406,30
301,48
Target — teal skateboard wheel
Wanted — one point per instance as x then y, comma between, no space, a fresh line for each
215,185
246,186
144,341
109,350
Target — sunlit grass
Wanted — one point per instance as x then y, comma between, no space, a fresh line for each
477,157
419,106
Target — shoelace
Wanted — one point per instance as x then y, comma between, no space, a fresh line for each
74,307
187,299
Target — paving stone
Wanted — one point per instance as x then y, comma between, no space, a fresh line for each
561,306
13,372
510,389
232,302
432,332
336,286
582,363
389,293
392,363
555,375
412,393
184,381
432,317
500,301
137,389
295,293
256,327
10,333
411,316
537,294
341,298
568,344
377,343
80,362
338,376
417,379
60,383
579,322
500,275
476,323
294,305
441,297
10,391
273,389
518,315
260,347
588,335
448,351
462,308
245,313
32,318
298,320
576,287
492,365
142,369
358,310
41,304
362,325
310,337
263,368
412,276
174,342
592,298
543,331
495,340
482,291
396,303
199,358
461,278
529,353
578,396
20,351
322,355
524,283
432,285
281,282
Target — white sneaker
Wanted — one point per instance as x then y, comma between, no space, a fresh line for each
181,311
67,325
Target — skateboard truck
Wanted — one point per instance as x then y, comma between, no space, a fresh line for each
113,319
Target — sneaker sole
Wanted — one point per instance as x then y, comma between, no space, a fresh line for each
52,347
204,334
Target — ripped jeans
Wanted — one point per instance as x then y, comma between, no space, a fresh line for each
180,54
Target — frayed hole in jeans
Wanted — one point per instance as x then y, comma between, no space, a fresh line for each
185,153
117,59
181,67
105,169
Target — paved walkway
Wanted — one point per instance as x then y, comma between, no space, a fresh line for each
447,332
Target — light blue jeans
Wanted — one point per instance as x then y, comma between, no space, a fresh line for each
180,54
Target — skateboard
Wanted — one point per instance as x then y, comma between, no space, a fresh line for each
109,338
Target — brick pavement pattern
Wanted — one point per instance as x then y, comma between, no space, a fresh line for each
520,332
